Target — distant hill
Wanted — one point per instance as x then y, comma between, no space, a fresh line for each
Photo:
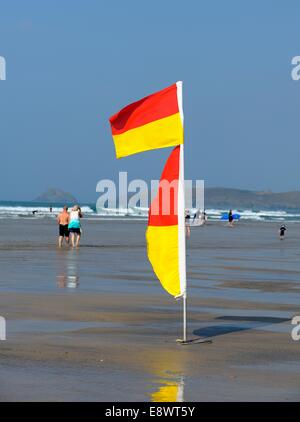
243,199
53,195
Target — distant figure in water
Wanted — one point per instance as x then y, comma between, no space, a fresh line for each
203,217
34,212
63,221
50,209
230,218
75,225
187,222
281,231
200,216
196,215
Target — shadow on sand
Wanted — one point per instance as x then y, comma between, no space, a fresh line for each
239,323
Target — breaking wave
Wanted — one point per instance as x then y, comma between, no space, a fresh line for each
31,210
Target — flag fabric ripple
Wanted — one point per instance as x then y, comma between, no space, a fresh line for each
163,239
150,123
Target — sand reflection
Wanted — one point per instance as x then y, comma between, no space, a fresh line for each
169,374
67,270
171,391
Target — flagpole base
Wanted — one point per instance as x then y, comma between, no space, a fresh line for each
193,341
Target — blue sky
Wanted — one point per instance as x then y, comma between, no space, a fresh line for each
71,64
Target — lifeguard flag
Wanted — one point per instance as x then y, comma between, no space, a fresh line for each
150,123
166,227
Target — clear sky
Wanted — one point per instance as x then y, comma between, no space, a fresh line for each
71,64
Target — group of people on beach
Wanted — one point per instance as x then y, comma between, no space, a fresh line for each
189,220
202,218
69,226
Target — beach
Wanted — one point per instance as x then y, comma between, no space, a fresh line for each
94,324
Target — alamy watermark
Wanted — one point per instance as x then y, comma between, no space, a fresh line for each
2,69
2,328
139,194
296,330
295,73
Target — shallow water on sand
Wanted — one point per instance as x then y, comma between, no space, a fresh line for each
112,257
243,283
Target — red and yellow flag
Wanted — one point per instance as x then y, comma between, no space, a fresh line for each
150,123
155,122
166,232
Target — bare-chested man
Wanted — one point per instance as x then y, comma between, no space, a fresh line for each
63,220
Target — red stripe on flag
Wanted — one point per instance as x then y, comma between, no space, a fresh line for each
164,208
153,107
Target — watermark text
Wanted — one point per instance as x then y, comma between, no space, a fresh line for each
2,69
296,330
295,73
2,328
161,195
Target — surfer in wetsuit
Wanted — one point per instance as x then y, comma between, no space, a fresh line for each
196,215
281,231
187,222
230,218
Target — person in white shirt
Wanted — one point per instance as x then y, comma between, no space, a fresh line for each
75,225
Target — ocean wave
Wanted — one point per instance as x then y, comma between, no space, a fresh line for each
138,213
40,211
123,212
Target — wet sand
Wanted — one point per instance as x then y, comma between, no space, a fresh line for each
94,324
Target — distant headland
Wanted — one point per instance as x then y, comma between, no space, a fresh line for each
218,198
246,199
54,195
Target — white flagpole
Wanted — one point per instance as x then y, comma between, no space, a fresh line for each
181,219
182,242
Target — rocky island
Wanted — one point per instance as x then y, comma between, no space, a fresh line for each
54,195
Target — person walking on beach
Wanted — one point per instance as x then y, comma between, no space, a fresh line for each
63,221
75,225
281,231
187,223
230,218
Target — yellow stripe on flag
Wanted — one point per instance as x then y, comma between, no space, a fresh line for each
162,245
161,133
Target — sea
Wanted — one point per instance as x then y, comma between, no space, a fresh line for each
19,210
